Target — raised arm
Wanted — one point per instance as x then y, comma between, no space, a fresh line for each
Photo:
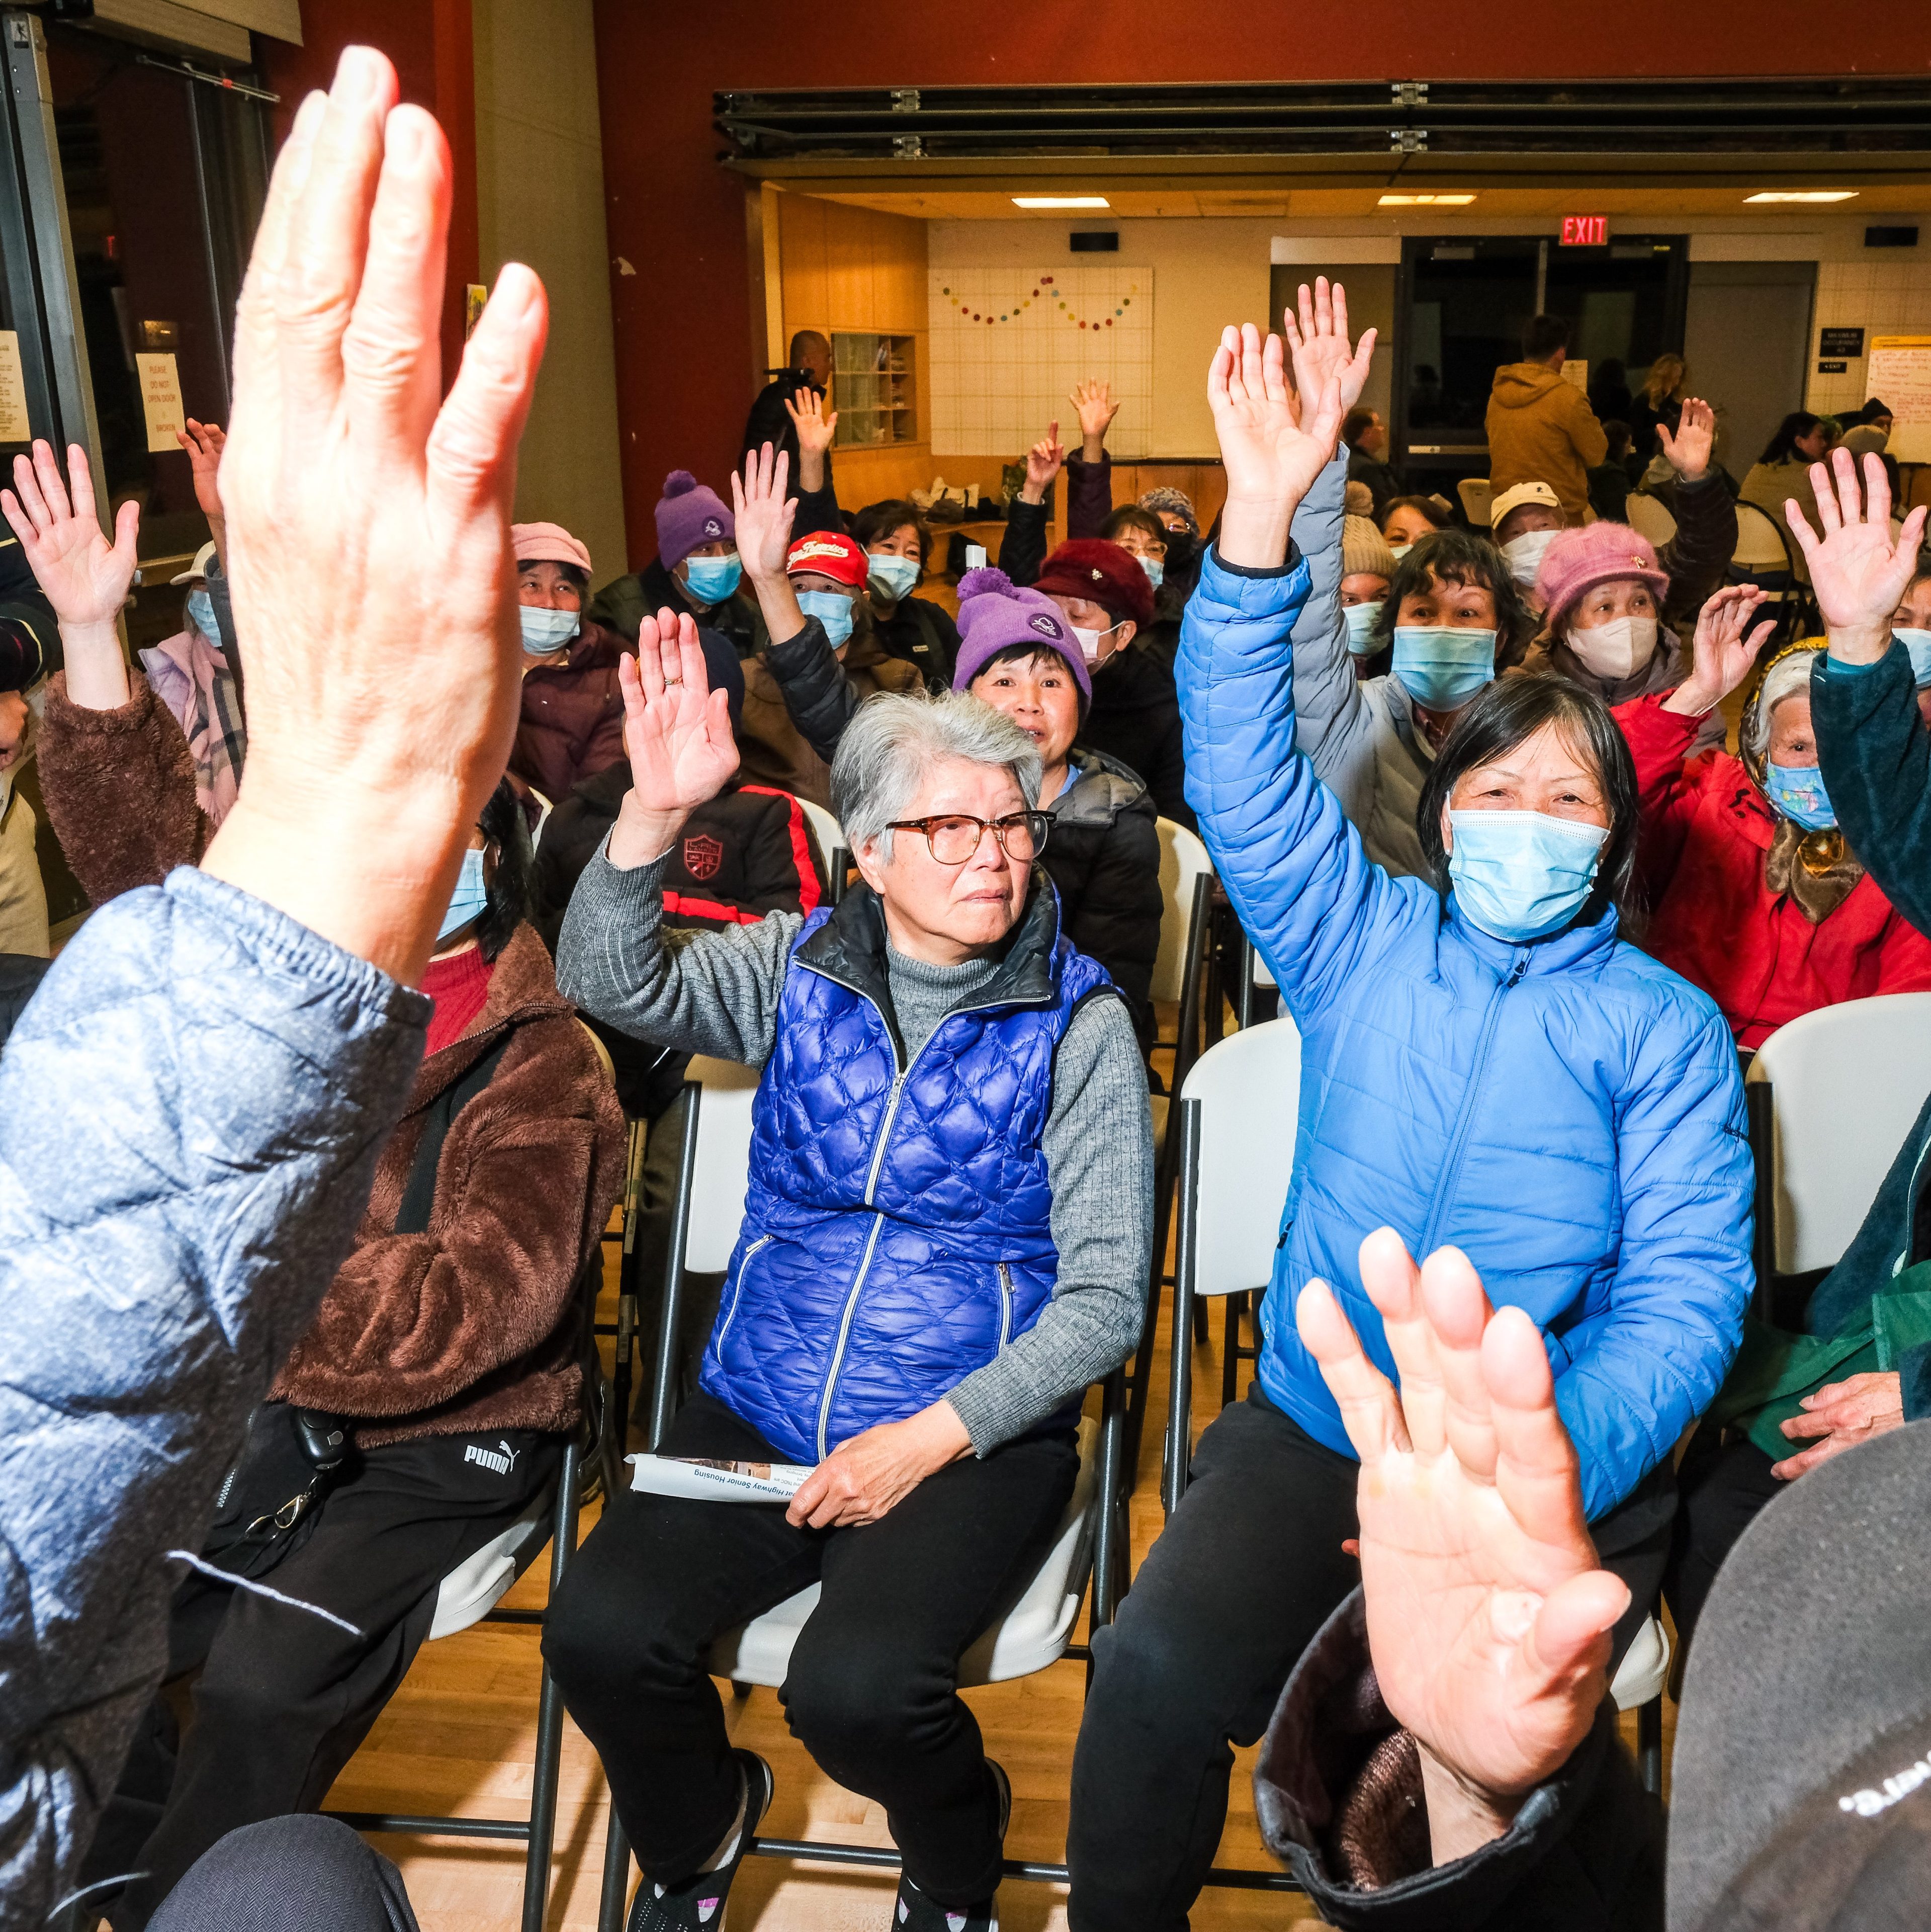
1696,556
1089,472
1022,553
816,426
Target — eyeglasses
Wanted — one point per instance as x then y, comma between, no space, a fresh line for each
952,838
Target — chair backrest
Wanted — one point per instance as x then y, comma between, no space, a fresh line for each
602,1052
830,833
1846,1082
1182,860
723,1169
544,808
1475,495
1249,1087
1761,547
1649,517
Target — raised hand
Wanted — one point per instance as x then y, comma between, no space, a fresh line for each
1272,446
1043,461
1093,404
815,426
1857,572
86,577
677,732
1488,1617
763,514
1725,650
1317,341
1687,451
204,443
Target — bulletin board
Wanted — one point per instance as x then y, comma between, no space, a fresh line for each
1898,372
1006,346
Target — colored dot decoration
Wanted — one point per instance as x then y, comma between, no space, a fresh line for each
1042,291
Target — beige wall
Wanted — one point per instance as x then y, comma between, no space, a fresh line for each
539,199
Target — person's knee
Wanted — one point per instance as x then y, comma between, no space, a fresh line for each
242,1881
850,1694
601,1643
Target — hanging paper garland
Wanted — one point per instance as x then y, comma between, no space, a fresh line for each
1043,291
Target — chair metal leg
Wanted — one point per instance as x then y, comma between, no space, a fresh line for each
1230,1348
1649,1746
1180,1421
549,1711
616,1877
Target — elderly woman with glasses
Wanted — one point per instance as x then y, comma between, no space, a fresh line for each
946,1239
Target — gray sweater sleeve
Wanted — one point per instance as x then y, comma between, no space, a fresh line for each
700,992
1099,1159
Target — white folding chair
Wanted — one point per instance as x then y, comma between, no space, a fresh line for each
1649,517
1476,496
544,808
831,843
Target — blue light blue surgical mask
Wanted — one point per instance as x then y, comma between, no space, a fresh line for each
1918,643
1156,569
710,580
897,574
832,610
1798,792
469,898
1521,875
544,630
201,615
1360,621
1441,666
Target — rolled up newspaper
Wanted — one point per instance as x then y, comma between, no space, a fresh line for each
703,1480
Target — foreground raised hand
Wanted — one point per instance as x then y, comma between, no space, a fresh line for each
1318,342
1487,1617
677,734
1688,451
1725,650
1858,572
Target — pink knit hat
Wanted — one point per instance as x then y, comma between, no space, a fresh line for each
995,614
548,543
1600,552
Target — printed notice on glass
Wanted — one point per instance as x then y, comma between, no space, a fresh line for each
14,426
160,401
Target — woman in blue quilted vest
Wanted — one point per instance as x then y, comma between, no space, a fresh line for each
946,1240
1486,1064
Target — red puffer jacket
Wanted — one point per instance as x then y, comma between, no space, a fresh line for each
572,725
1706,828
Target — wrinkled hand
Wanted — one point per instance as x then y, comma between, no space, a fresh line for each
1687,451
1722,655
1271,444
1317,341
86,577
1043,461
677,735
1844,1413
1487,1616
816,424
204,443
1858,574
864,1478
763,514
1093,404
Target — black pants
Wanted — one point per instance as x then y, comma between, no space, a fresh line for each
1725,1487
284,1698
872,1689
301,1874
1243,1576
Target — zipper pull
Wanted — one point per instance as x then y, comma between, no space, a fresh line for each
1516,972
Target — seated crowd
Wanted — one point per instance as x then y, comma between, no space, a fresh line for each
309,1139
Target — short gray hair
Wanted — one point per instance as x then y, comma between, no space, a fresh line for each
1785,678
894,739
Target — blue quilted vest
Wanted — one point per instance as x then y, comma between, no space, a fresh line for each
897,1231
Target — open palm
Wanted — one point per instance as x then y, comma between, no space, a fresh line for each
86,577
1689,450
1726,647
761,512
1487,1617
1317,342
1269,456
1857,572
817,426
677,730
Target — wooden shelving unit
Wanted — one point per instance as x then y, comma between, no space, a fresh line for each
874,390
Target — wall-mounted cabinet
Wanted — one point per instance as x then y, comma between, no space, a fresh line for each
874,389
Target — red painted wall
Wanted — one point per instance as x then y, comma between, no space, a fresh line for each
681,322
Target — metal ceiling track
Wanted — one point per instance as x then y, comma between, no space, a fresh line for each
1817,118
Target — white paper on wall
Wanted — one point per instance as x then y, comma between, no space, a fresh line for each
160,401
14,425
1899,371
1007,346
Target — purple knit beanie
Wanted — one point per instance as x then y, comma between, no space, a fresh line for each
996,613
1600,552
689,515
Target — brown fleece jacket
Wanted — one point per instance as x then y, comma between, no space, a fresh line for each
471,1325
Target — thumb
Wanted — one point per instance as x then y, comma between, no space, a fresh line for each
1576,1619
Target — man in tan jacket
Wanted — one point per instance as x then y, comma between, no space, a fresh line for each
1541,428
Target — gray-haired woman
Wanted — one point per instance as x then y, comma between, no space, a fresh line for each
946,1240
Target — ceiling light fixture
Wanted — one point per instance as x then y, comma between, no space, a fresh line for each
1805,194
1425,201
1061,201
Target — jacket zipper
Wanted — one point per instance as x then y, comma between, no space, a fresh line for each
737,1293
1005,1307
1451,1172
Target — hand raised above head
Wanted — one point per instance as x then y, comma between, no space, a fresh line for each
763,513
1725,650
1318,342
1688,451
677,734
1858,570
86,577
1044,462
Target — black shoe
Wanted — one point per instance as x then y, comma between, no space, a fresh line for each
915,1913
700,1900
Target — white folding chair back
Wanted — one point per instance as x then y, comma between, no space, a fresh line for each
723,1169
1649,517
1846,1082
1182,860
1249,1087
471,1591
544,808
830,833
1476,496
1033,1633
1644,1669
1760,546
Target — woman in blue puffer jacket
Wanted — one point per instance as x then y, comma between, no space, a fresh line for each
1484,1063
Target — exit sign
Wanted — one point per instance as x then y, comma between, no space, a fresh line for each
1584,231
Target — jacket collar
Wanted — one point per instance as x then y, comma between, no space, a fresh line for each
1575,946
522,987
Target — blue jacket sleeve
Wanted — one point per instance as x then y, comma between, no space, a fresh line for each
190,1112
1684,1273
1305,889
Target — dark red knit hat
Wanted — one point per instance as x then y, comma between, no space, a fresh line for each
1102,573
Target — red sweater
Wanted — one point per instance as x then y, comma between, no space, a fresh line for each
459,985
1705,829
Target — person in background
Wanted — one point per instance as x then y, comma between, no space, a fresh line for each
1609,390
1365,437
1781,475
771,419
1485,1063
696,571
190,675
1144,538
1407,519
1174,508
1367,569
1522,524
1873,411
1089,475
1656,405
25,663
1540,426
1911,625
1756,896
1609,481
1872,439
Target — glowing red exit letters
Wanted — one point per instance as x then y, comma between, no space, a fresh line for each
1584,231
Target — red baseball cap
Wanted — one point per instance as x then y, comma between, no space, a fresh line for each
1103,573
831,554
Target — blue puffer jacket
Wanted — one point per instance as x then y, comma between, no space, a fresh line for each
897,1228
1569,1112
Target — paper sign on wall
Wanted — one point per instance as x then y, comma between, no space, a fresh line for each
1900,372
161,401
14,426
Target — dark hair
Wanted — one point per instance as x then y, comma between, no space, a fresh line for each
1357,419
1781,447
511,894
1873,408
1131,516
877,521
1459,556
1543,335
1620,434
803,341
1029,654
1510,711
1433,508
576,573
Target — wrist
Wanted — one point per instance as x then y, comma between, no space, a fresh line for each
1850,643
642,836
1032,493
1092,448
1254,531
1462,1815
97,669
1692,701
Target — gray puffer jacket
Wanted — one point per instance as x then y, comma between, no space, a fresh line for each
190,1111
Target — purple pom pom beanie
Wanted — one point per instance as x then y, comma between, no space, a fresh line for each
689,515
996,613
